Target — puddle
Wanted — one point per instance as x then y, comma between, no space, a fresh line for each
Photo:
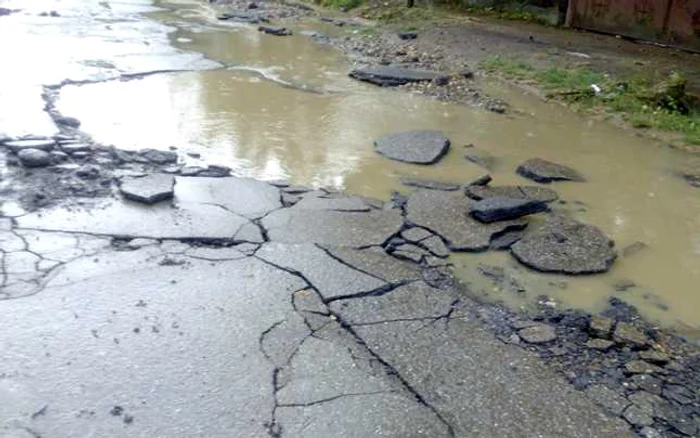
260,123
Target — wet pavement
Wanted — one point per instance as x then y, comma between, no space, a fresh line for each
245,307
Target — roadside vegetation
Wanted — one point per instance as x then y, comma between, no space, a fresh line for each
660,103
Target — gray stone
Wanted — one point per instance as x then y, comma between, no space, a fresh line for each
600,326
214,171
641,367
565,246
191,171
444,213
627,334
500,209
88,171
649,432
638,416
148,189
394,76
538,334
158,157
599,344
647,383
410,252
420,147
542,194
275,30
609,399
70,122
17,145
34,158
679,394
408,35
654,356
429,184
75,147
481,181
544,171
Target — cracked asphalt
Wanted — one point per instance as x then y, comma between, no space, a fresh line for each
243,308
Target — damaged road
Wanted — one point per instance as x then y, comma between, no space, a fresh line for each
144,297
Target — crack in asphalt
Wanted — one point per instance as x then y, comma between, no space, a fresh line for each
275,429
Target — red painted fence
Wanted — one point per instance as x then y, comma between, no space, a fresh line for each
675,22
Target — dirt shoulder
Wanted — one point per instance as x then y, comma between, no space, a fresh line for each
604,76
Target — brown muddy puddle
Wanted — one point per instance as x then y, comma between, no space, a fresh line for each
254,117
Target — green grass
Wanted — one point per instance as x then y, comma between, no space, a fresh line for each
630,98
341,4
512,12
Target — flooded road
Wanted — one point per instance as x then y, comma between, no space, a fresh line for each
284,108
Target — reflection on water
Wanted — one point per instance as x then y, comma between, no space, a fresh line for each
261,129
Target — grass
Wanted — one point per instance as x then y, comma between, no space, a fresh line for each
512,12
345,5
630,99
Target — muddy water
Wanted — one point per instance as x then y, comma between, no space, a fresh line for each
284,108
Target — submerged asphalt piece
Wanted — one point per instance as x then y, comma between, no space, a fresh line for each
148,189
565,246
420,147
244,196
501,209
544,171
429,184
275,30
332,228
395,76
542,194
445,213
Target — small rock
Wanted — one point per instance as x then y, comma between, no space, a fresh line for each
34,158
655,356
215,171
609,399
80,154
88,172
647,383
497,106
194,154
158,157
252,5
640,367
408,35
638,416
482,181
70,122
275,30
679,394
601,326
75,147
54,14
538,334
58,156
599,344
191,170
544,171
649,432
148,189
501,209
628,334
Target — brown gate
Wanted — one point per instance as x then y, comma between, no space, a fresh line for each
675,22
